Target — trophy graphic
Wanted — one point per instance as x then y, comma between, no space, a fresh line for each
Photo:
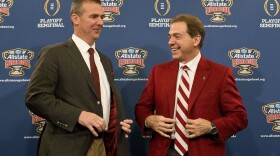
50,6
272,112
271,6
110,8
164,5
38,121
131,58
218,9
17,59
245,59
4,9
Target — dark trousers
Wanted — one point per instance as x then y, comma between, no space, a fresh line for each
171,150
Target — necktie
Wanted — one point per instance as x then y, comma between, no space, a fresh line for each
94,71
181,112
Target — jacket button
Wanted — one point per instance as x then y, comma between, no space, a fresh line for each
98,102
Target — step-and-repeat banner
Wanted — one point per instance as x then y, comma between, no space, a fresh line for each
242,34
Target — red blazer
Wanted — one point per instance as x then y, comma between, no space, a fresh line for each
214,97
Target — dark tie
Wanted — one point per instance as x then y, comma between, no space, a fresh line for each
181,112
94,71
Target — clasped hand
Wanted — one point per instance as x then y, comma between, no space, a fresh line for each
165,126
95,123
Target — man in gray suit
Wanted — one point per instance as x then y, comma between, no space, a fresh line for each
62,91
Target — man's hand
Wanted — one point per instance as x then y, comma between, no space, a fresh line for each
126,126
160,124
91,121
197,127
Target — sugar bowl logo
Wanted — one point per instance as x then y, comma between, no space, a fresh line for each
272,113
162,7
217,9
110,8
36,120
245,59
17,59
131,58
271,7
52,7
5,6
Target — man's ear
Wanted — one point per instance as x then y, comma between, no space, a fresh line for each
197,40
75,19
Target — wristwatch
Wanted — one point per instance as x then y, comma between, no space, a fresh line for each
213,129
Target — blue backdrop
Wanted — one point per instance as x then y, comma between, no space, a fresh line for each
241,34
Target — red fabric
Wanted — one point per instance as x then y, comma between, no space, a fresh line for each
181,144
110,138
213,97
94,72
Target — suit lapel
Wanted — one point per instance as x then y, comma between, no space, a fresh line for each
202,74
171,81
75,54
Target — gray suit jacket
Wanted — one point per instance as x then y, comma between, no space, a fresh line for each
60,88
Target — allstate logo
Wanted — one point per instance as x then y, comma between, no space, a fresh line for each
110,8
5,6
131,58
17,59
52,7
36,120
271,7
162,7
272,113
245,59
217,8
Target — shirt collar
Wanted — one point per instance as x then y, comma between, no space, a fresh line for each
81,44
193,63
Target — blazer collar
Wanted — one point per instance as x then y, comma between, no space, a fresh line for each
202,74
75,54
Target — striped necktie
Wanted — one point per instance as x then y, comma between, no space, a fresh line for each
181,112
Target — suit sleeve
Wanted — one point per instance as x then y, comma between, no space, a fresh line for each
145,106
40,96
234,117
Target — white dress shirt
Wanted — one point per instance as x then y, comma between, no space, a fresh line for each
104,84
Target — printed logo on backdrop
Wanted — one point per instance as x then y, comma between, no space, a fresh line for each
111,8
17,59
36,120
5,6
271,8
131,59
245,59
51,8
218,9
162,8
272,113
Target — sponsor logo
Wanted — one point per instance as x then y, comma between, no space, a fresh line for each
5,6
110,8
272,113
131,58
244,59
51,8
217,9
17,59
271,8
36,120
162,7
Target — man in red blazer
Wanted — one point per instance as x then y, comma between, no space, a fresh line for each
214,108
